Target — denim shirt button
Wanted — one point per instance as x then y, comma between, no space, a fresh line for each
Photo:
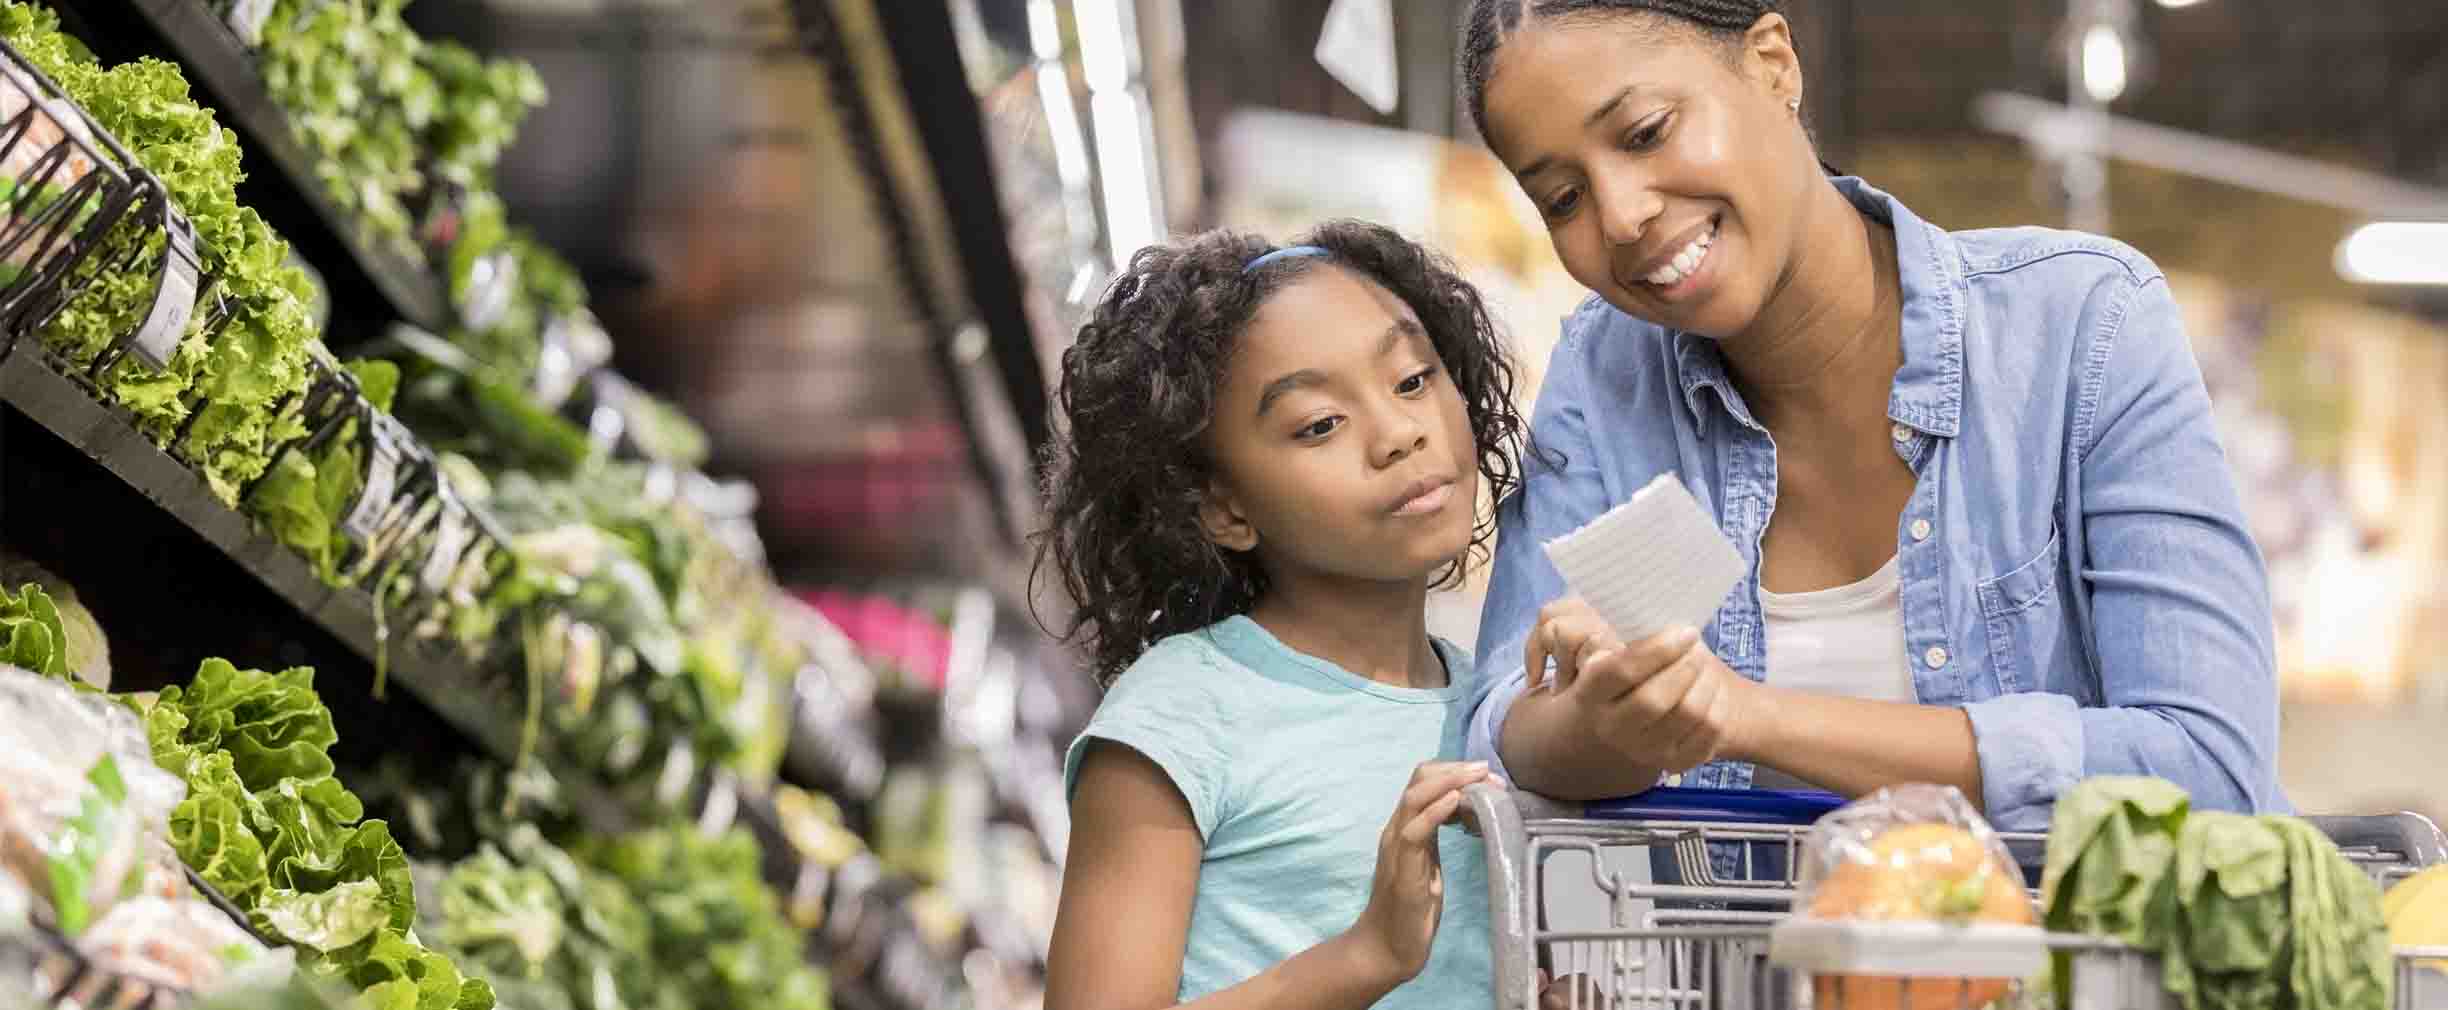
1936,656
1903,434
1920,529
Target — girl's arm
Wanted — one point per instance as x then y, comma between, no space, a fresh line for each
1132,872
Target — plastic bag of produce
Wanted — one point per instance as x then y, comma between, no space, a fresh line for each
185,945
1916,853
82,806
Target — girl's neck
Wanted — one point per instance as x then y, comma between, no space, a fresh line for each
1375,630
1829,334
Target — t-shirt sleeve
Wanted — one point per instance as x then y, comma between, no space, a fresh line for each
1167,708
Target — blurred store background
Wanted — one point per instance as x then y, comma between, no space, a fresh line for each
836,247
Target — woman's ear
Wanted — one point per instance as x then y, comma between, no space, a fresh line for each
1769,59
1220,517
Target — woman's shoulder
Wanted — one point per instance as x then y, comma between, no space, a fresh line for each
2065,259
2048,294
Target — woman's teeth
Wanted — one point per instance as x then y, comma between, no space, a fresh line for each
1686,262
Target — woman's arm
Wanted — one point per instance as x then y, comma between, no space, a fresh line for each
1853,746
1132,873
1619,714
2179,615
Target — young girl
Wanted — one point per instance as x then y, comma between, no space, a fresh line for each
1271,456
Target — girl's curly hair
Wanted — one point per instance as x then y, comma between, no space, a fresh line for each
1125,480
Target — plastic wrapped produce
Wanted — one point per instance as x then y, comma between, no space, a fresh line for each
1910,854
185,945
81,807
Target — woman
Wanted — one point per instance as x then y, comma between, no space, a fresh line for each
1992,538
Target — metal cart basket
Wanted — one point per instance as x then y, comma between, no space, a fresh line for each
1713,940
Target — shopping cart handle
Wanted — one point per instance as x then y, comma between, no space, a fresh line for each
1717,806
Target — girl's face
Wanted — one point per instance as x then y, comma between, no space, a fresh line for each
1342,447
1673,179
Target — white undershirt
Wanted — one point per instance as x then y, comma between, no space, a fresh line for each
1847,640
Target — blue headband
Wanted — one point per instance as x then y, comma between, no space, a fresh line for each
1286,253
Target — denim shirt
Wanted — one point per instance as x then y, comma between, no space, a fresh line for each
2076,573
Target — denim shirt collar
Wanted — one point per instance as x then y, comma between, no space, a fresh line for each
1928,394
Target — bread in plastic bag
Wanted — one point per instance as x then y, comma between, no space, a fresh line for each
1912,853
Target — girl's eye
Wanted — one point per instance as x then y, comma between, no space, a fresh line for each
1562,204
1417,383
1318,429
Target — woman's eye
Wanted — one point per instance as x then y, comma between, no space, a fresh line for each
1417,382
1319,428
1646,135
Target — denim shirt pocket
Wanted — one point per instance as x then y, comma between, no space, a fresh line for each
2023,618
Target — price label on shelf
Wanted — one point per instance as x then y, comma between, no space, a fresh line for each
679,770
492,282
384,454
454,530
721,805
246,20
174,300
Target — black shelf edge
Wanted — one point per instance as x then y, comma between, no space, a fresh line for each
953,128
41,393
281,182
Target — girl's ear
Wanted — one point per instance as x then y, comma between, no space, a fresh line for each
1221,519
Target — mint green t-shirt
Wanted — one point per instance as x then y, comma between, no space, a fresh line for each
1292,766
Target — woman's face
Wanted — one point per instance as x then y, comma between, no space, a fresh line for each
1672,174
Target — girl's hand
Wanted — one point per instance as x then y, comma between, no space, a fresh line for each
1665,702
1406,901
1557,993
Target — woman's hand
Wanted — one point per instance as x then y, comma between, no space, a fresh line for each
1407,900
1665,702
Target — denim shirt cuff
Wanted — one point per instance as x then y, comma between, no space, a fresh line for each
1487,723
2031,749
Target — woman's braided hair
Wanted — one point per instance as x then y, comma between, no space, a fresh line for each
1491,22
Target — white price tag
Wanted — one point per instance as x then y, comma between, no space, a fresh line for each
453,532
246,20
174,302
381,485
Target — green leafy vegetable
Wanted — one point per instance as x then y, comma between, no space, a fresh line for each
2243,911
211,829
273,725
507,918
347,72
482,106
77,854
324,921
84,650
31,635
230,381
304,497
266,823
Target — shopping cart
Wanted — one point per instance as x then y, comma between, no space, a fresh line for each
1720,940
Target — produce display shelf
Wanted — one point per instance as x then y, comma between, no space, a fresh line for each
478,709
369,282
